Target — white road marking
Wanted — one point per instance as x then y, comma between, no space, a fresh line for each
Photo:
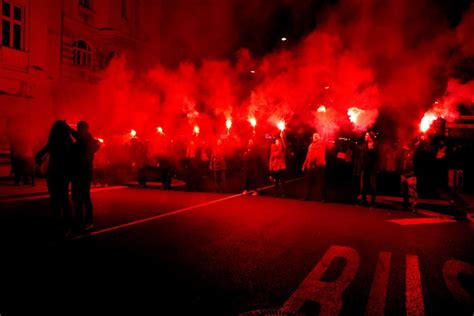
378,292
451,270
148,219
414,293
327,294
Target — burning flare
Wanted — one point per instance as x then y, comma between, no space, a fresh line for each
196,130
354,114
100,140
281,125
159,130
228,123
133,133
252,121
322,109
426,121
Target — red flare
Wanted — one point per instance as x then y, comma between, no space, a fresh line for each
252,121
281,125
426,121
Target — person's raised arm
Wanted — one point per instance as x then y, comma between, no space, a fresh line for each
73,132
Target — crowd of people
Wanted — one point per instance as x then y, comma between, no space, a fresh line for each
418,167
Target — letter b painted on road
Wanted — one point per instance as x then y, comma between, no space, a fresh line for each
327,294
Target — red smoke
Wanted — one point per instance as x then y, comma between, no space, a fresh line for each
396,57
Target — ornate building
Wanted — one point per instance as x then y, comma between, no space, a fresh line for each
50,50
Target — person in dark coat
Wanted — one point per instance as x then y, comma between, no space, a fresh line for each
315,166
138,156
370,161
82,169
218,166
424,160
250,162
165,163
192,166
408,179
277,165
58,175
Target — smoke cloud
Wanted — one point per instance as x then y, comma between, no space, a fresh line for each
224,60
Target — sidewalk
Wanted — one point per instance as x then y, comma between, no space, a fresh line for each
8,189
468,203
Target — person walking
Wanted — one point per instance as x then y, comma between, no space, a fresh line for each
58,175
277,164
83,151
315,166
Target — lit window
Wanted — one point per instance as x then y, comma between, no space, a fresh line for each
86,4
82,54
12,26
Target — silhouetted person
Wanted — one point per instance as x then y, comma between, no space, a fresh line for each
250,163
424,160
165,164
58,175
218,166
277,165
370,159
315,165
408,179
192,167
82,169
139,156
441,167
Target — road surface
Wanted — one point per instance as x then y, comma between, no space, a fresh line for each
156,252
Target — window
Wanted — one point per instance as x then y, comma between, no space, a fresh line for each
86,4
124,9
82,54
12,26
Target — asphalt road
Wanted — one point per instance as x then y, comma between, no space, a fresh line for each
177,253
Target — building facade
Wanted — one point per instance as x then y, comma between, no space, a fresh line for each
50,50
